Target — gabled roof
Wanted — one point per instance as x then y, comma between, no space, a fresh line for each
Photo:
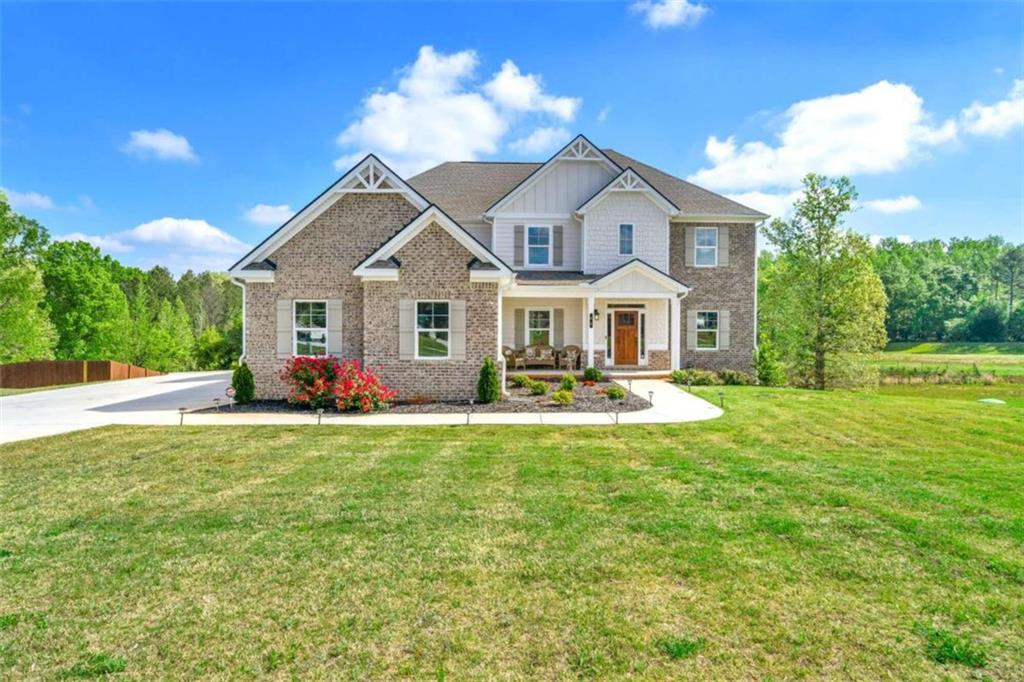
369,176
638,265
376,264
579,149
629,181
465,189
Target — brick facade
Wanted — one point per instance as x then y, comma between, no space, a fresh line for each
433,267
317,263
729,287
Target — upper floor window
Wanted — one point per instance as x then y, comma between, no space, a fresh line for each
625,239
310,328
432,329
706,246
707,330
538,245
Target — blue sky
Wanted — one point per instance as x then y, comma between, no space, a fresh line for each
181,133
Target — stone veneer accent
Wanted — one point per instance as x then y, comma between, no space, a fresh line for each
434,267
656,360
729,287
317,263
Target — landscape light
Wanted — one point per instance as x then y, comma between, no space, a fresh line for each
650,397
319,415
721,398
216,403
181,416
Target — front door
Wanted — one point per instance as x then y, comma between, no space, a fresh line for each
625,337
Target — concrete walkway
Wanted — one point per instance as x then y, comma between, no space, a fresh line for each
155,401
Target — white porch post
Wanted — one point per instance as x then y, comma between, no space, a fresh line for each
590,331
675,331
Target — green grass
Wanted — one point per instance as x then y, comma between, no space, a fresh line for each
837,535
1000,359
956,348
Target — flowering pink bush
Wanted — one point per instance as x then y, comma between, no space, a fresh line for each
311,380
360,389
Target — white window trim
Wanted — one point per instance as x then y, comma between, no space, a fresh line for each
416,329
696,249
551,324
526,246
632,239
717,330
296,329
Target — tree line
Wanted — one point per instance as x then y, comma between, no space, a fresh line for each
65,300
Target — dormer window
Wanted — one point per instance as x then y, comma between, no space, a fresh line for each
538,245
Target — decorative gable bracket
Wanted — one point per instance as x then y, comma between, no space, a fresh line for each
629,181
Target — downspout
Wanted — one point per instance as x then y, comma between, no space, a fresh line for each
241,283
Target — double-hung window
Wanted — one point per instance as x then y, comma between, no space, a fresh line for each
538,245
626,239
310,328
432,329
706,247
538,326
707,330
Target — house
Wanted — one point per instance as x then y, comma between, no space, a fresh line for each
420,278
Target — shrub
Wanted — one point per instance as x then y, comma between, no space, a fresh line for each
568,382
562,397
311,380
1015,325
244,384
538,387
732,377
695,377
519,380
360,389
592,374
616,392
767,364
488,387
987,323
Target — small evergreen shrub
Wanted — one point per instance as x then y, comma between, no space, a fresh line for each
767,364
244,384
562,397
488,387
538,387
695,377
568,382
592,374
616,392
519,380
732,377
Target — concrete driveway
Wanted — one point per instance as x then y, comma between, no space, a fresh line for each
135,401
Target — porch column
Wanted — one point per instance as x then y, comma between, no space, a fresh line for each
675,331
590,331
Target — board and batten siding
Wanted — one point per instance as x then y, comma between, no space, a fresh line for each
650,232
562,189
572,320
504,240
657,321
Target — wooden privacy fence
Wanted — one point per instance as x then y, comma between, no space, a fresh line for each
58,372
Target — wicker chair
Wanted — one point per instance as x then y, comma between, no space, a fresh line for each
569,357
513,358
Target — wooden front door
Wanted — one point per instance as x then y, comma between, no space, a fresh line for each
626,322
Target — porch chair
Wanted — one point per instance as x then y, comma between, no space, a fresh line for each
513,358
569,356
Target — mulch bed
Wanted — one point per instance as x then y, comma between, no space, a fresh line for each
585,399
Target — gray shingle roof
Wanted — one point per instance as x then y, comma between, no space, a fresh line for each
552,277
465,189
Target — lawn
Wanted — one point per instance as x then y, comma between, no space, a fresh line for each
1001,359
839,535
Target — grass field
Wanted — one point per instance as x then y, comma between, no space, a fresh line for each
1002,359
838,535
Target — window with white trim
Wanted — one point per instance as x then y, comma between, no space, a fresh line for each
433,329
310,328
538,326
707,330
706,247
538,245
626,239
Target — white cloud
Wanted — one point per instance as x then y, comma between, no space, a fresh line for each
904,238
902,204
602,115
541,140
265,214
878,129
185,233
778,205
996,120
438,112
667,13
525,92
160,144
876,239
27,200
106,243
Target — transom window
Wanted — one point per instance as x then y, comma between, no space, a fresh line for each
707,330
706,243
625,239
310,328
538,245
538,326
432,329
